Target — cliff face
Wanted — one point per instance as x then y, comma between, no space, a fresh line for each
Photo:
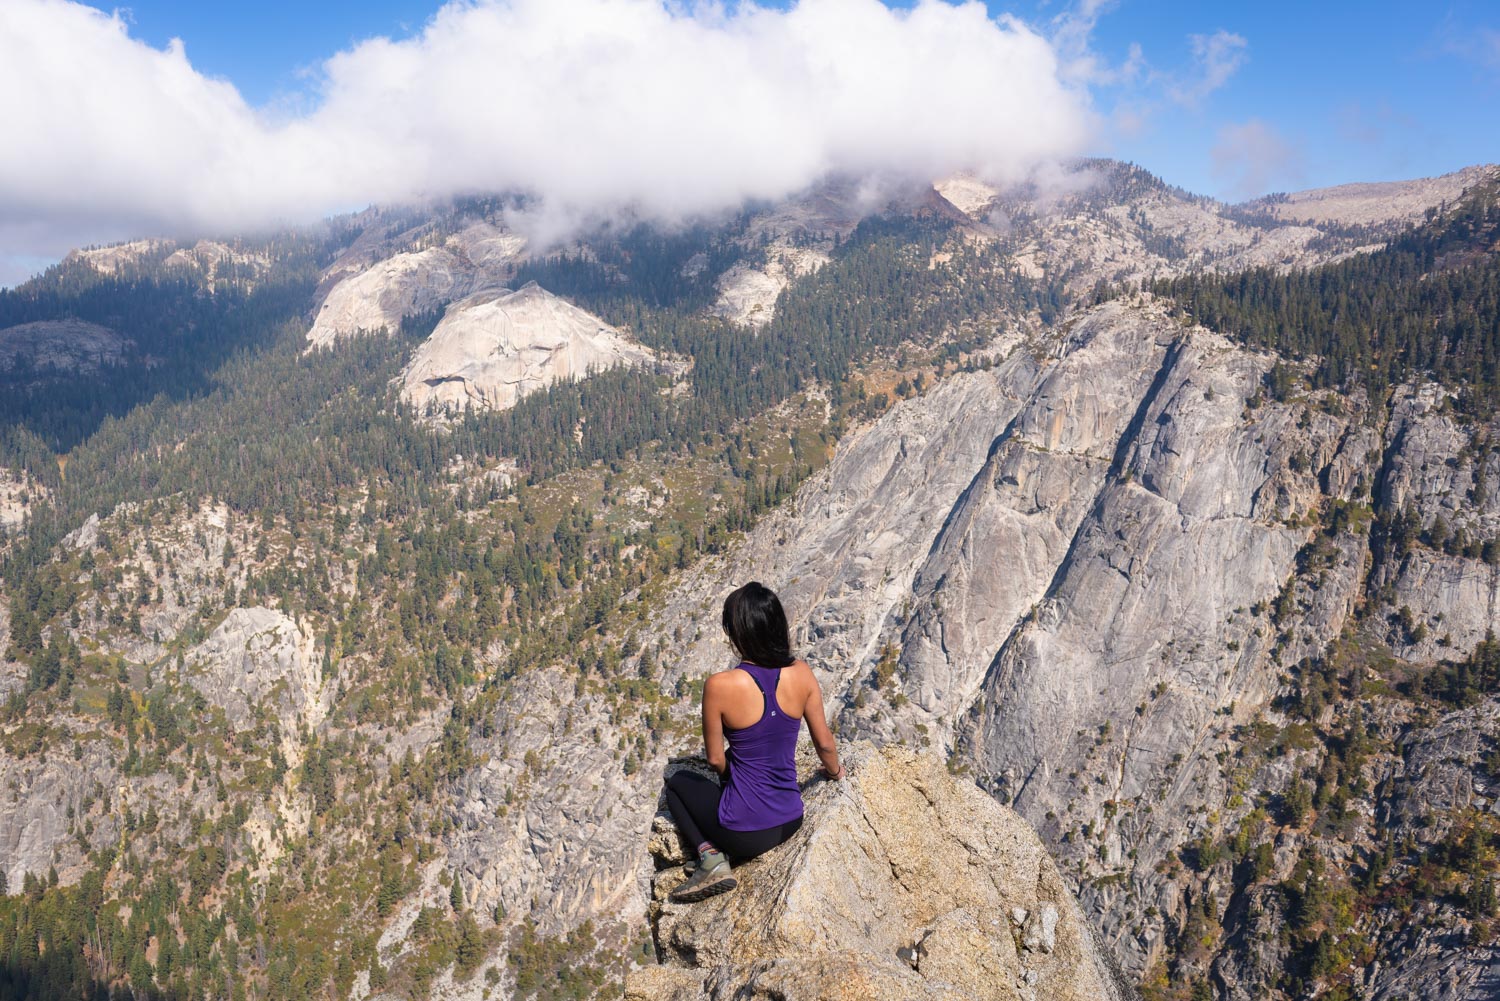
381,295
1089,573
1063,555
903,882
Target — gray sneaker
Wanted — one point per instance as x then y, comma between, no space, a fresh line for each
711,876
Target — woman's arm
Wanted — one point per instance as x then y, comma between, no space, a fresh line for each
713,722
817,726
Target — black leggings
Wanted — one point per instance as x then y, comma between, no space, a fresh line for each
694,802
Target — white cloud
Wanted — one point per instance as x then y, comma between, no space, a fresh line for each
670,109
1216,58
1072,36
1133,91
1250,158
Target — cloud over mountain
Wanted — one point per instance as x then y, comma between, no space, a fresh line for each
669,109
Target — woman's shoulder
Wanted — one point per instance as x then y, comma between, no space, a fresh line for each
802,672
729,679
728,676
736,677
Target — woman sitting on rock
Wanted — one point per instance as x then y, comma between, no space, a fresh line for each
758,707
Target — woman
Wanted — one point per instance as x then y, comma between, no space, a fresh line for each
758,707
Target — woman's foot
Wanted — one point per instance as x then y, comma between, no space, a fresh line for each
711,876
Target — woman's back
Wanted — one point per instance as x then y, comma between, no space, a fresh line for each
741,701
760,788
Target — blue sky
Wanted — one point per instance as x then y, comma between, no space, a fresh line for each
1357,91
1329,91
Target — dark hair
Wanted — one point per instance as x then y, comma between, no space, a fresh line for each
756,625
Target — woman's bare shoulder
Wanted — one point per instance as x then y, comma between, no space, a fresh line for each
730,677
802,671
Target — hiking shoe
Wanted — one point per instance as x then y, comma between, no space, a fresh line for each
712,876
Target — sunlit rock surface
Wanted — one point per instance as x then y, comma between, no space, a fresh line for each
495,347
904,882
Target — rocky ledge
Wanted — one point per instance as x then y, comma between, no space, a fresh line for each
905,882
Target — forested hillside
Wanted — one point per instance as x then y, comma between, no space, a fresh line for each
1425,305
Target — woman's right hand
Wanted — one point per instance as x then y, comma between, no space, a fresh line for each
817,725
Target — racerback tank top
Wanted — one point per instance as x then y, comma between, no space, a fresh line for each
761,789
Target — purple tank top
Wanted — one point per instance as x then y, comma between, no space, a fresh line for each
761,790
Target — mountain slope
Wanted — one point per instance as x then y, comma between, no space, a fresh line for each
308,696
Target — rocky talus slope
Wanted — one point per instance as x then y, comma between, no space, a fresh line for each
903,883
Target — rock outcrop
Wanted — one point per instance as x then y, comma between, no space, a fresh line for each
545,825
748,292
375,284
495,347
218,260
212,259
788,241
1441,474
75,346
18,493
969,194
904,882
109,260
40,797
378,297
1378,203
259,659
